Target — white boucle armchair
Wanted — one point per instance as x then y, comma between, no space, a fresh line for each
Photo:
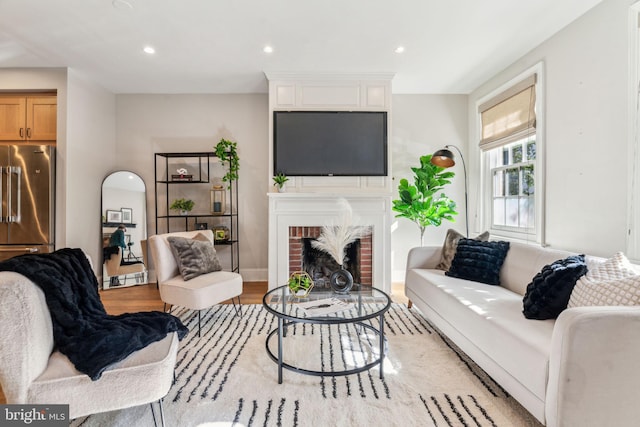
198,293
31,372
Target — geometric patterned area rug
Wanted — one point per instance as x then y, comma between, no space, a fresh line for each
225,378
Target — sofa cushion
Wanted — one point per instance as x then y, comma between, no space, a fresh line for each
491,319
194,257
549,291
451,244
478,261
614,282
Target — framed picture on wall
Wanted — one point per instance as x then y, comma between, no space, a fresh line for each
114,216
127,215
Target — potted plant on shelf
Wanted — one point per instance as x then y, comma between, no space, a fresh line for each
182,205
419,202
227,152
279,181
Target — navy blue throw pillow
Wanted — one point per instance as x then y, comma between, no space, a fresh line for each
549,291
478,261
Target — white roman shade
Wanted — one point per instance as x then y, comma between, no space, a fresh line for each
510,115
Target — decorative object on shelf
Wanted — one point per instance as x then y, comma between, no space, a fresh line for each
419,203
300,284
217,199
114,216
127,215
334,240
221,233
279,181
182,205
202,226
445,159
182,175
227,152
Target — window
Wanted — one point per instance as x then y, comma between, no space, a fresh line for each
512,171
510,144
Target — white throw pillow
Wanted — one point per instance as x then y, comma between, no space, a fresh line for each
614,282
616,267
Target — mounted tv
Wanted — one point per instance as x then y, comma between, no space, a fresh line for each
330,143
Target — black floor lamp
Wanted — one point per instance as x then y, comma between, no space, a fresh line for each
445,159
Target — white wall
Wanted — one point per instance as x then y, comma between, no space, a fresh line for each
586,75
168,123
89,157
147,124
421,125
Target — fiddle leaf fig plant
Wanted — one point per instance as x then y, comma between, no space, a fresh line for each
420,201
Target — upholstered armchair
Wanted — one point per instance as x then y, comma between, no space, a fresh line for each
197,293
32,372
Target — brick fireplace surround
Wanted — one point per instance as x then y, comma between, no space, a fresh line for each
312,211
365,251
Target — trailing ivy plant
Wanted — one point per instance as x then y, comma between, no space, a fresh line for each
227,152
419,202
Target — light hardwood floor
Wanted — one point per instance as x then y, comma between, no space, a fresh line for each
147,298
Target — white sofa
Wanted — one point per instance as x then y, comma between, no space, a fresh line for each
581,369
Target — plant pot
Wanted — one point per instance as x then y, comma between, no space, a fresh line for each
184,212
282,188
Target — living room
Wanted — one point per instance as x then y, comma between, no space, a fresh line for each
587,91
101,131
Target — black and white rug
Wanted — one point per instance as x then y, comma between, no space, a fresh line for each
226,378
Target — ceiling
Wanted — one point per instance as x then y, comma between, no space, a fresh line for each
216,46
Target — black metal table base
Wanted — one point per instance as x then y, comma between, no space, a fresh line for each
280,332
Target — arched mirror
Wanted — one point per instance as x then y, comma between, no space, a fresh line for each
124,205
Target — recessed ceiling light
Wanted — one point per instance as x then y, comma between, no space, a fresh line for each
399,49
150,50
267,49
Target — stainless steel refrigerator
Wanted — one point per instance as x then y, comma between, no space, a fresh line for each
27,188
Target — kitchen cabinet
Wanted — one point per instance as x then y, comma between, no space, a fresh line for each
28,118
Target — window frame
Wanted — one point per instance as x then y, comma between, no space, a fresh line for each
486,178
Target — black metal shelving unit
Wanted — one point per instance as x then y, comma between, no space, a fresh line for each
196,185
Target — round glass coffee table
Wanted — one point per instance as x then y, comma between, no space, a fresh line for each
344,331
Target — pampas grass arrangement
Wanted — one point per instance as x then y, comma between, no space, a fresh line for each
334,239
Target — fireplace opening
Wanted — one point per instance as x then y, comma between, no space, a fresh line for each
320,265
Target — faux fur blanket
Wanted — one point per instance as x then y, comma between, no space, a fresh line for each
82,330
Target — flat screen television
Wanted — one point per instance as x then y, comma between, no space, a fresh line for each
330,143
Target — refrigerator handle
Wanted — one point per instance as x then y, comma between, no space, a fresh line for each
14,170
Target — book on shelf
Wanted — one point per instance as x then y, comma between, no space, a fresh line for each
181,177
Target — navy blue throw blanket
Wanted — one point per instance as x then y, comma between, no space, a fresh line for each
82,330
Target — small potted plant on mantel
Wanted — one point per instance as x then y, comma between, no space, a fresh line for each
182,205
279,181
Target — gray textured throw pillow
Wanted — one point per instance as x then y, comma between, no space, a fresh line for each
451,244
194,257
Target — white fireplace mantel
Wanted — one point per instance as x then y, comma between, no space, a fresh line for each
319,209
